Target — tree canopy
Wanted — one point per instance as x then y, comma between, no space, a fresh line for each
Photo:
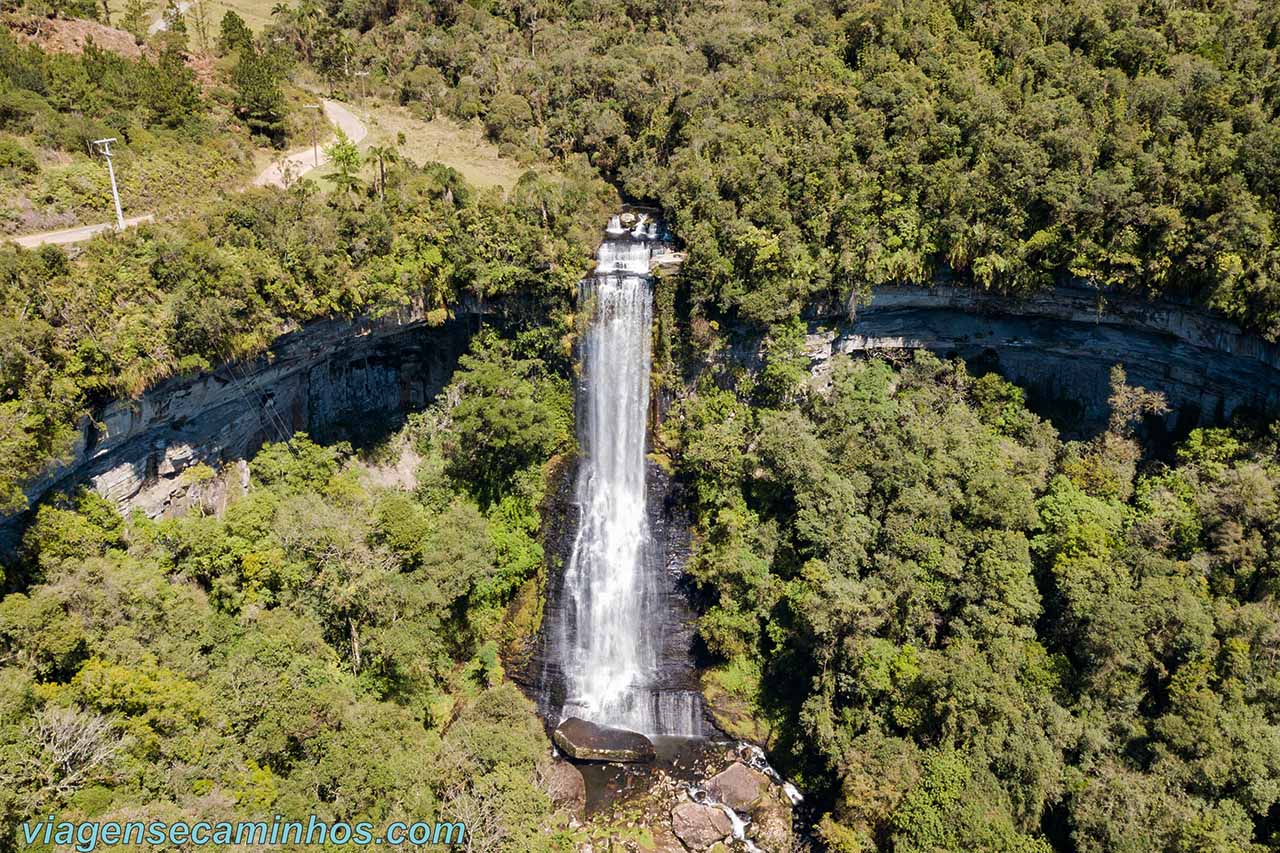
325,646
968,637
815,149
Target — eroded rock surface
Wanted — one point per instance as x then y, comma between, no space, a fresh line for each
771,824
737,786
587,741
699,826
564,784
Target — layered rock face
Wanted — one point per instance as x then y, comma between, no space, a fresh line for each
319,379
1060,344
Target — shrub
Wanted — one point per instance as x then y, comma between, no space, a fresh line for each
16,159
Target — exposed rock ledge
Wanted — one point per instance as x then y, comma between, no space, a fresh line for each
1061,344
314,379
587,741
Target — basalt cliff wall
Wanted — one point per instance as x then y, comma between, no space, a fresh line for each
1061,344
331,378
333,375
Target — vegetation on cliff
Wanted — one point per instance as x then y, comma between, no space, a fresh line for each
972,636
326,646
959,631
816,148
184,296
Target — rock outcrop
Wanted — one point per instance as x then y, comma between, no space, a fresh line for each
586,741
771,826
318,379
698,826
1061,343
564,784
737,786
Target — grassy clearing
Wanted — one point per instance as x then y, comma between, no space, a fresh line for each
256,13
441,140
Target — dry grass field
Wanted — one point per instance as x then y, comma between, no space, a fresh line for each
441,140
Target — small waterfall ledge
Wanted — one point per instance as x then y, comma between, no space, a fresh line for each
617,637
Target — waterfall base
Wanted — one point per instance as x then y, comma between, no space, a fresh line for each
673,700
616,647
587,741
695,794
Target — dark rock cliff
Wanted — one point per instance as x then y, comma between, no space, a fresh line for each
1061,344
330,379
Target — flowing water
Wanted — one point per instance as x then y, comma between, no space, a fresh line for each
614,592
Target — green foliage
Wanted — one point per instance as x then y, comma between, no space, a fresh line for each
298,466
70,530
48,94
137,18
511,415
233,34
259,98
322,635
175,146
16,160
970,635
950,810
346,159
188,295
786,366
812,150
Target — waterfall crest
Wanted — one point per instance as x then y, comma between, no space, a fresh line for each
608,633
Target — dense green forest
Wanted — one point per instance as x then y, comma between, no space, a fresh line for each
182,296
957,630
817,148
327,646
972,636
963,633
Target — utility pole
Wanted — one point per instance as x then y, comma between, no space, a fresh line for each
362,75
104,148
315,144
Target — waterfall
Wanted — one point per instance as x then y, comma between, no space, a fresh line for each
608,636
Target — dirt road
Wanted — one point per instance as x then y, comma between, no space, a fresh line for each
73,235
294,165
298,163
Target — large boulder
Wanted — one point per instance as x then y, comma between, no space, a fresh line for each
564,784
587,741
738,787
698,826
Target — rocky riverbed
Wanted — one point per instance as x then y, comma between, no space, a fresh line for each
696,796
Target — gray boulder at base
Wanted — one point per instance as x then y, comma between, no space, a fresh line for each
699,826
564,784
587,741
738,787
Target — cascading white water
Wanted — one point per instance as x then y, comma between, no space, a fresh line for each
609,654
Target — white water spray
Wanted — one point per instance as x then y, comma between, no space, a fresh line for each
738,832
610,656
755,759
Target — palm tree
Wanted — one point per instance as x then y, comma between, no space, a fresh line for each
384,154
307,20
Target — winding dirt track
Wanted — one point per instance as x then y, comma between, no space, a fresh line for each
297,163
292,166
